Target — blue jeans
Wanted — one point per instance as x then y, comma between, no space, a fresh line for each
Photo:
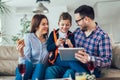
80,67
59,62
64,72
58,72
33,71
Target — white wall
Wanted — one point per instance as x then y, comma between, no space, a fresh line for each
74,25
0,31
53,16
11,23
0,24
107,15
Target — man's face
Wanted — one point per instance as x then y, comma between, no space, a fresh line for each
80,22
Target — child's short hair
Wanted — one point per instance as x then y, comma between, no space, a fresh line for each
65,16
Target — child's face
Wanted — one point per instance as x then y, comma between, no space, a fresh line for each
64,25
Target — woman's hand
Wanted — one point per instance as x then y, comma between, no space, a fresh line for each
20,46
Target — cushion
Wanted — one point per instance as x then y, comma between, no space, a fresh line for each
7,77
7,67
110,72
8,60
116,56
8,52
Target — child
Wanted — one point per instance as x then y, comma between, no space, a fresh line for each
64,38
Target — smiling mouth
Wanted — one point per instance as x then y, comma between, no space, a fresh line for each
65,30
46,29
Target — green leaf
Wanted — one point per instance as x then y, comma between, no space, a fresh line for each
25,28
4,8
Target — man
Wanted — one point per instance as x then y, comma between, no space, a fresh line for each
93,39
96,44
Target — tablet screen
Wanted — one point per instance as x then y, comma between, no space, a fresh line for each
68,53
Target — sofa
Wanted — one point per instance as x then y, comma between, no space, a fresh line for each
114,70
9,61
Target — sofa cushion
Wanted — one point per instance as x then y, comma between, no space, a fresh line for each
8,60
116,56
7,77
7,67
110,72
8,52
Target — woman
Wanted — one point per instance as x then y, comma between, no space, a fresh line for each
33,51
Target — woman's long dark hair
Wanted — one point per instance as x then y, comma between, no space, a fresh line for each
36,20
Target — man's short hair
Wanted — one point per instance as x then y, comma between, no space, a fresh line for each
85,10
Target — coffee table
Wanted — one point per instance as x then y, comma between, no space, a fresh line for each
115,78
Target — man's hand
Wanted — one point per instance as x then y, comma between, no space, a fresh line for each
82,56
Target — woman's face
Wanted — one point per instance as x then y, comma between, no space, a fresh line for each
64,25
43,26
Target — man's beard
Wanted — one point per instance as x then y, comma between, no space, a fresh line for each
84,28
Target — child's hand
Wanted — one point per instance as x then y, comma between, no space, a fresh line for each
20,46
59,42
68,42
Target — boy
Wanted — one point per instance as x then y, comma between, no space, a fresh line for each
64,38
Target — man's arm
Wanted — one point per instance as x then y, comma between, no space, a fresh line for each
104,52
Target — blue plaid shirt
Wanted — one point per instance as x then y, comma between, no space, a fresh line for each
97,45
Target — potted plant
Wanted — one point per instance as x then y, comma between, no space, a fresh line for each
4,8
25,23
3,37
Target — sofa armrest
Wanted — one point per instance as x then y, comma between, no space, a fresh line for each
116,56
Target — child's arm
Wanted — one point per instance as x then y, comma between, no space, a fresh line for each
68,42
51,46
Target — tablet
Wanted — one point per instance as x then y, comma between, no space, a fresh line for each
68,53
